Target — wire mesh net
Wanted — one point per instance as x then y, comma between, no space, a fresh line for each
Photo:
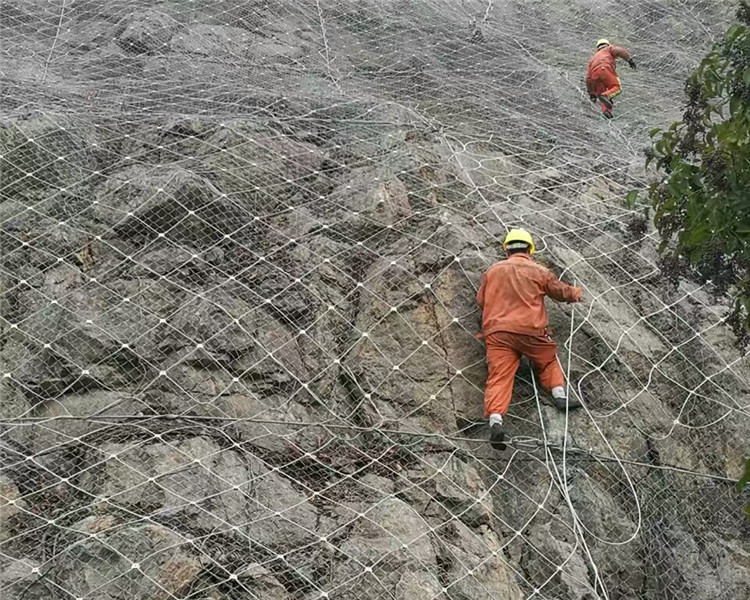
240,247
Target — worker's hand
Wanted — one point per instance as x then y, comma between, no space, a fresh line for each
593,97
631,62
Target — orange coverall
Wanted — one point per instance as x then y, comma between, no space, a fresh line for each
601,72
514,324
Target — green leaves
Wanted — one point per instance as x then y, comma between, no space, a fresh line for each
735,105
733,33
701,201
743,482
631,199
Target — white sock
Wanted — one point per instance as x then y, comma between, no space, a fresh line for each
559,392
496,418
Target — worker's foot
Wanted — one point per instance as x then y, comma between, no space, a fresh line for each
606,102
607,114
497,436
571,403
497,432
561,400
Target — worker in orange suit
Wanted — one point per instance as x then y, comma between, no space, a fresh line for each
514,324
602,82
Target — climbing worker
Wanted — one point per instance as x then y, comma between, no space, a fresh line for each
602,82
514,324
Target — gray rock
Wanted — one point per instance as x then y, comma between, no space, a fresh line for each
212,40
20,578
129,561
391,528
30,170
384,543
542,555
248,162
87,407
14,404
145,32
477,567
396,339
419,586
459,487
259,582
11,504
264,422
379,485
175,200
204,488
192,478
88,337
599,511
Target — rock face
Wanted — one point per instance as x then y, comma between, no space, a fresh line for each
241,243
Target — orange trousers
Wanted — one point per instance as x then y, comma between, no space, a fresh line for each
504,352
606,83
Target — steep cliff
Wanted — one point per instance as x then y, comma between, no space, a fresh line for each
240,246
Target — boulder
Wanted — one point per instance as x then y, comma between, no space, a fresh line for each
21,579
11,504
200,486
145,32
259,582
387,547
476,566
136,561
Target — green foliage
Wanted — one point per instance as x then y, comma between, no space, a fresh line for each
702,200
631,199
744,480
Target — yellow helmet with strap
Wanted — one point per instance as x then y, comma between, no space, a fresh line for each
602,42
519,238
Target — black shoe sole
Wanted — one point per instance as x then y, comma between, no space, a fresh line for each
497,437
560,404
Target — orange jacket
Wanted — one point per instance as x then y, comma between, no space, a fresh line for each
512,293
606,58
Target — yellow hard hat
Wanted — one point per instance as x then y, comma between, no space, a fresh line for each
602,42
519,236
